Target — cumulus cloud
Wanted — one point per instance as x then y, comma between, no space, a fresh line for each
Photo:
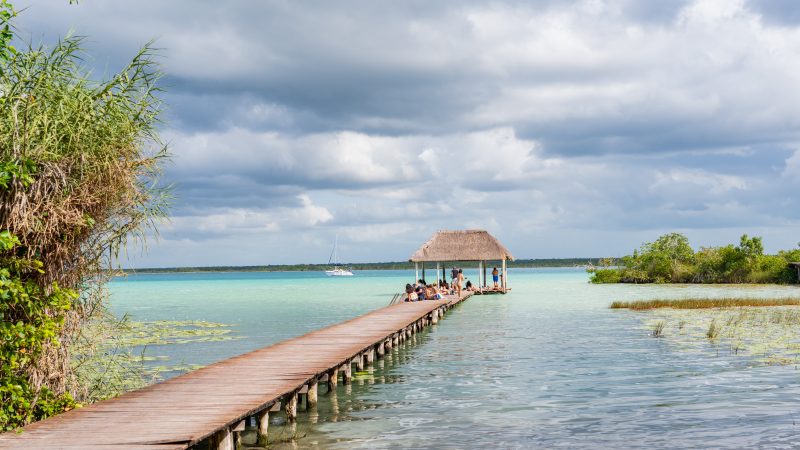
566,127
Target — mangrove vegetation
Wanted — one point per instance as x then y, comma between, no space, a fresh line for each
670,259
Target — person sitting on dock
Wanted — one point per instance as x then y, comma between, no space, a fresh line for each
421,291
495,277
411,296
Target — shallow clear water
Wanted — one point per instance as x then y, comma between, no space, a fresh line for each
547,366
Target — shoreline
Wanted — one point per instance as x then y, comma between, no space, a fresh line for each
398,265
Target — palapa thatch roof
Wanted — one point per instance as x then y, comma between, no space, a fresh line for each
461,245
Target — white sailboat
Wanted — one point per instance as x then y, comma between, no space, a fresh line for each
336,271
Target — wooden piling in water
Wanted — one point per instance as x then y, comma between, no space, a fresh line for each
311,395
221,440
347,375
291,407
333,379
370,356
262,427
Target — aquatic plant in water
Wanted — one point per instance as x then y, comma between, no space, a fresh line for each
765,335
112,356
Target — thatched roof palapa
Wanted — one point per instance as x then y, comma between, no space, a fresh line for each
461,245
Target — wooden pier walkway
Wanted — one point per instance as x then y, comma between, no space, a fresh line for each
214,402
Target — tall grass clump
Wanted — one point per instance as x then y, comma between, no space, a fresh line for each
702,303
670,259
79,162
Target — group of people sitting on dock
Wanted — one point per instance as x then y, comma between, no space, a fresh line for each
422,291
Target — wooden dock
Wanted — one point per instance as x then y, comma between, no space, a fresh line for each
214,402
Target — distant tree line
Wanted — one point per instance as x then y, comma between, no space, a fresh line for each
670,259
392,265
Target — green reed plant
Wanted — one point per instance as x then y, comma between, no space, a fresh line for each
701,303
79,164
713,330
658,329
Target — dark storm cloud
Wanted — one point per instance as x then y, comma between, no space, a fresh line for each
553,123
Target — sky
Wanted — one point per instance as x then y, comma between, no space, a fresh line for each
566,128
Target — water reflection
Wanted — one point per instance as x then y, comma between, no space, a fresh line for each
556,370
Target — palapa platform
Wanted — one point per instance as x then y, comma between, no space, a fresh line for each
213,402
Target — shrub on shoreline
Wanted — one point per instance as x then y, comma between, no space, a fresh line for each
670,259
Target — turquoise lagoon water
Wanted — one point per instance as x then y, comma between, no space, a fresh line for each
546,366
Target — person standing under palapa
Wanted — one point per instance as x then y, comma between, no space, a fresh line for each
495,277
459,282
454,276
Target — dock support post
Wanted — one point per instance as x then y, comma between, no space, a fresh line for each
360,362
380,350
311,396
333,379
291,407
370,356
395,339
221,440
348,373
388,344
435,316
262,430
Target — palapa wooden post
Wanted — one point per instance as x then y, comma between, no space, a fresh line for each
505,276
221,440
291,407
485,281
438,280
262,427
416,272
311,396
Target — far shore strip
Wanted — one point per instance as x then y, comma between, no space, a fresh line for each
702,303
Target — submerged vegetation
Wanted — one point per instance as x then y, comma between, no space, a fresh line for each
112,357
79,160
766,335
703,303
670,259
766,329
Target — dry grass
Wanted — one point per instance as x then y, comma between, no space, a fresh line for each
704,303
